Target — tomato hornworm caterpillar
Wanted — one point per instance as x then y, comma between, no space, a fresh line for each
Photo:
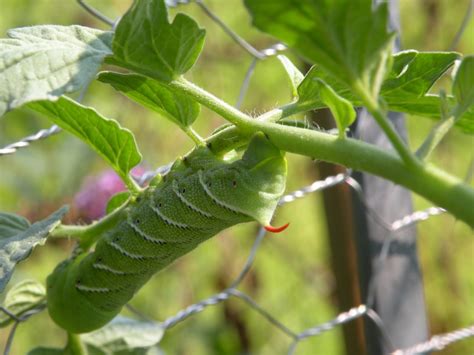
198,198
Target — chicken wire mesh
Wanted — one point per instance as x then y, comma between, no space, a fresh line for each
365,310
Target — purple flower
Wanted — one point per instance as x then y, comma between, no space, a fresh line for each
91,200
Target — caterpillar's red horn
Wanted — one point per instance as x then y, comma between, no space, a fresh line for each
276,229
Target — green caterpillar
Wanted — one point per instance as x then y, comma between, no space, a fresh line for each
198,198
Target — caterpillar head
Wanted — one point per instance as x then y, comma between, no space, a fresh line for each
267,167
266,164
254,184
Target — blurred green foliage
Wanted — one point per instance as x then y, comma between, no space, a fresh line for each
291,277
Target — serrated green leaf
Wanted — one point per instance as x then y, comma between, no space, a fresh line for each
308,90
12,224
115,144
414,73
463,90
124,336
147,43
18,247
154,95
347,38
21,298
399,62
116,201
415,100
44,62
341,109
293,73
412,76
463,86
429,106
466,121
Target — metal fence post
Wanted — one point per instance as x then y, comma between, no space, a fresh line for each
393,288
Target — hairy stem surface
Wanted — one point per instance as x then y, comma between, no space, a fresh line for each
435,185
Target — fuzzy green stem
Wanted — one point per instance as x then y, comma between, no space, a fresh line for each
196,138
375,110
212,102
230,113
89,234
74,345
444,190
132,186
428,181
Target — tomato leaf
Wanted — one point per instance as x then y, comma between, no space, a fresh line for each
17,247
174,106
463,86
115,144
147,43
347,38
44,62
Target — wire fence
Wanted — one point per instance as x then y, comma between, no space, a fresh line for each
435,343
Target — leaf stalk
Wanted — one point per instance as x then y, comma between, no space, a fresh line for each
89,234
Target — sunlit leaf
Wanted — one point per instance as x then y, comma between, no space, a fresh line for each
348,38
414,73
294,74
154,95
406,89
341,109
44,62
463,86
115,144
147,43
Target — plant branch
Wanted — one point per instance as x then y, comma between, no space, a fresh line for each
441,188
132,186
89,234
74,345
229,112
373,107
191,133
428,181
212,102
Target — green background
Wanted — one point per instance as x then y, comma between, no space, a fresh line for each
291,277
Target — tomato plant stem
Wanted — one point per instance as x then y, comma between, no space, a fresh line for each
435,185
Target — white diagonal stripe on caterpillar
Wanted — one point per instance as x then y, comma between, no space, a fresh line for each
215,199
144,235
168,220
188,203
93,289
128,254
107,268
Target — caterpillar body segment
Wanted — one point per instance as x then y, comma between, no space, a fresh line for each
198,198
